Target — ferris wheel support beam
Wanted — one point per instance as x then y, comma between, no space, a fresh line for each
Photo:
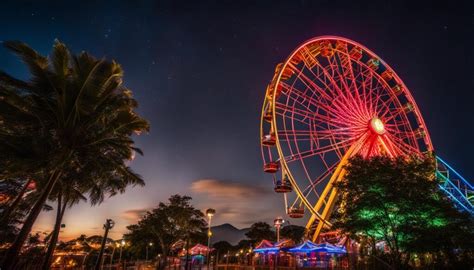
329,204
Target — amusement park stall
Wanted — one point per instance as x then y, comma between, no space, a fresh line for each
285,254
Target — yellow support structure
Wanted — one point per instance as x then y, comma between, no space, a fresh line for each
329,204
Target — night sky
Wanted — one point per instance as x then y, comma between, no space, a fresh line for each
199,72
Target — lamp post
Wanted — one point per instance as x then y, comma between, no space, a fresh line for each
250,257
116,245
149,244
210,213
278,222
109,224
122,244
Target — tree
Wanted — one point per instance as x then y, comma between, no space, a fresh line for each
73,107
12,208
259,231
222,249
168,223
222,246
96,181
14,212
293,232
396,201
14,191
244,244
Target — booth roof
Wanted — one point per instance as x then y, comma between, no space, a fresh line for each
309,246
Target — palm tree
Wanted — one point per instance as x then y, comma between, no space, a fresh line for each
14,213
18,195
73,188
73,107
13,207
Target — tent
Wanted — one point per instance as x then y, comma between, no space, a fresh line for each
285,243
329,248
306,247
265,246
199,249
309,246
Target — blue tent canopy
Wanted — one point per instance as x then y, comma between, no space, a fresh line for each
309,246
263,250
328,248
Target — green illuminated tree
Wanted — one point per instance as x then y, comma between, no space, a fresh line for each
72,108
396,201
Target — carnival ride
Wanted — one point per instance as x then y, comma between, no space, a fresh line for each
330,100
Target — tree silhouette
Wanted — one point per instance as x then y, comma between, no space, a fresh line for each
259,231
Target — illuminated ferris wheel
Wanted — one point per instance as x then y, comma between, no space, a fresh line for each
330,100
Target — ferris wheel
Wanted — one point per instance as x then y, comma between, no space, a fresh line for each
330,100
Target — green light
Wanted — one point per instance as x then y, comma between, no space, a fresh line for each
438,222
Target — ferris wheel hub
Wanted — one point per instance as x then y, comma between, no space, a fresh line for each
377,126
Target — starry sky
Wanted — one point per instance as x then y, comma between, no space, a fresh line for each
199,70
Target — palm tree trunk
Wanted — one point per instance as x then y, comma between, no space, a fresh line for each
55,234
11,256
16,202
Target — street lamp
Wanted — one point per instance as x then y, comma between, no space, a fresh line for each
250,258
159,261
210,213
116,245
149,244
109,224
122,244
278,222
